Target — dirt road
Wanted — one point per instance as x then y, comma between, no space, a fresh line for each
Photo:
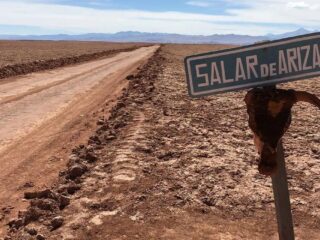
45,114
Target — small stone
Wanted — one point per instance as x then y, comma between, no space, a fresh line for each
316,137
73,157
165,155
64,201
94,140
76,171
40,237
314,149
91,157
32,214
7,210
57,222
209,201
130,77
30,195
100,122
21,213
143,148
28,185
47,193
44,204
16,223
71,188
31,231
110,137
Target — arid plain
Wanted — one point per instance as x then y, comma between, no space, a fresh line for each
114,148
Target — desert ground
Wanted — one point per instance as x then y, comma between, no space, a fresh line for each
22,57
114,148
15,52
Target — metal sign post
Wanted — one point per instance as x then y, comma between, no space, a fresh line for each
259,65
282,198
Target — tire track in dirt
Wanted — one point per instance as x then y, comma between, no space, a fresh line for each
40,65
112,177
124,166
37,89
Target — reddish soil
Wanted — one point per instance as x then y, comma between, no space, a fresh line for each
22,57
165,166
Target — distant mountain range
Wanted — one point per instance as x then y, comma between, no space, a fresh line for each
131,36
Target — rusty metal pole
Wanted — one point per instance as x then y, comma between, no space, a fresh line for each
282,198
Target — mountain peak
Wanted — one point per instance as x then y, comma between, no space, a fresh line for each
135,36
302,31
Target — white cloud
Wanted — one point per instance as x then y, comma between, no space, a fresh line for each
277,12
199,3
266,16
298,5
302,5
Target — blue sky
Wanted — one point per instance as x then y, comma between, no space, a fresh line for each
203,17
208,7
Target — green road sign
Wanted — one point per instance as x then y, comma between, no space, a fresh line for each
262,64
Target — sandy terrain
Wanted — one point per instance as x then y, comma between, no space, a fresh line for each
165,166
44,113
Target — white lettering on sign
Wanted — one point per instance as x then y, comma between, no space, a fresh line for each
283,67
299,58
305,61
240,74
205,76
273,69
316,56
215,74
292,60
252,62
292,57
264,68
224,78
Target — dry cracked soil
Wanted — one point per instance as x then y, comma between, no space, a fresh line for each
165,166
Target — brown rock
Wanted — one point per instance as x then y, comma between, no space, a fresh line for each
109,137
44,204
69,188
57,222
91,157
100,121
16,223
64,201
76,171
32,214
130,77
40,237
31,231
47,193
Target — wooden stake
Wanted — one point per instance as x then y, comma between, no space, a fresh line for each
282,198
